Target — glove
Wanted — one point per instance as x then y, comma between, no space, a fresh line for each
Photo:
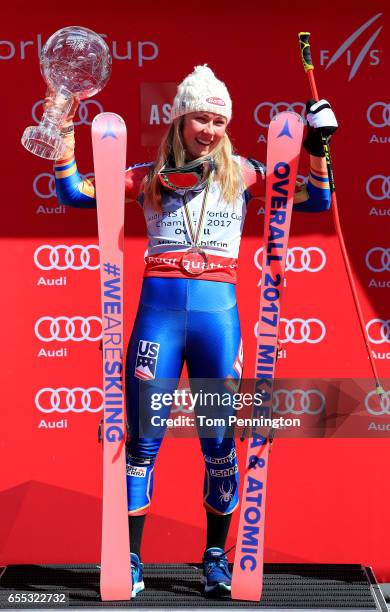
321,120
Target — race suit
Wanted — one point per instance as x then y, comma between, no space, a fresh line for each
186,318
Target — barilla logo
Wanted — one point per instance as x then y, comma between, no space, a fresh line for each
217,101
146,363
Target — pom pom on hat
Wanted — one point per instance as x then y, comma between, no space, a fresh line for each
202,91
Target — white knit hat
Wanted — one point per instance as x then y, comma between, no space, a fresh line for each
202,91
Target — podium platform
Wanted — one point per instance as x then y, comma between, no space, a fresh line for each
286,587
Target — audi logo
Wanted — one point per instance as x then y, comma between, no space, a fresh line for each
298,331
63,329
378,114
265,111
64,400
378,331
378,259
67,257
378,187
84,110
375,405
44,185
298,401
310,259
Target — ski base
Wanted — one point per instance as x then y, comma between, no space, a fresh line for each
109,151
284,144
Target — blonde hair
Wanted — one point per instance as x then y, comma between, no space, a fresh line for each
228,172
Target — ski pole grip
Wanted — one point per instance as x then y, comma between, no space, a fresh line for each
305,50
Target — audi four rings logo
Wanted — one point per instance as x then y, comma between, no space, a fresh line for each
378,114
299,259
265,111
44,185
63,329
86,111
377,406
298,331
67,257
378,187
378,259
64,399
378,331
298,401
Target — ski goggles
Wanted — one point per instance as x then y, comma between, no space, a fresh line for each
187,177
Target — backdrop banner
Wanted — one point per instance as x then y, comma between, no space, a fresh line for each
327,499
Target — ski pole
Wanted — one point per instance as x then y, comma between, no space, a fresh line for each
309,69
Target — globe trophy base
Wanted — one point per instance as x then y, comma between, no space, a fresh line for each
45,143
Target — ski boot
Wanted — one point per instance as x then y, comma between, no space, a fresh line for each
216,574
137,575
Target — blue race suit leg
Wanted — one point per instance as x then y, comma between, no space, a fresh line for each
180,319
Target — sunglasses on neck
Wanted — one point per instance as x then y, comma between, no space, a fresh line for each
187,177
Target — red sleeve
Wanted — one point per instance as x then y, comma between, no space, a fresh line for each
133,180
253,173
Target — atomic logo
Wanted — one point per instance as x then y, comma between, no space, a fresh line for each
109,133
365,49
285,131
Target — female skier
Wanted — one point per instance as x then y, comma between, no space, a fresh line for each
194,198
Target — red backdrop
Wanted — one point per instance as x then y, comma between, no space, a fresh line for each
327,501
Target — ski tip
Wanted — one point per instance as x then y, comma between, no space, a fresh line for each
113,595
106,116
287,116
247,581
242,594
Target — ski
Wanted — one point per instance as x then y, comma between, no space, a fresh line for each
109,154
283,148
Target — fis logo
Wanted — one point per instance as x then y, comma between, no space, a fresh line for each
354,59
146,363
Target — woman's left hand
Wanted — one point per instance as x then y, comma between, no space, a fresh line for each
321,120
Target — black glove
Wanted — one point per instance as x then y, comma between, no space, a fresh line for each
321,120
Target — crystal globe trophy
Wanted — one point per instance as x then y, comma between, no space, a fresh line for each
75,63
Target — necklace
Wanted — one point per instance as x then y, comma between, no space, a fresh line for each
195,261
